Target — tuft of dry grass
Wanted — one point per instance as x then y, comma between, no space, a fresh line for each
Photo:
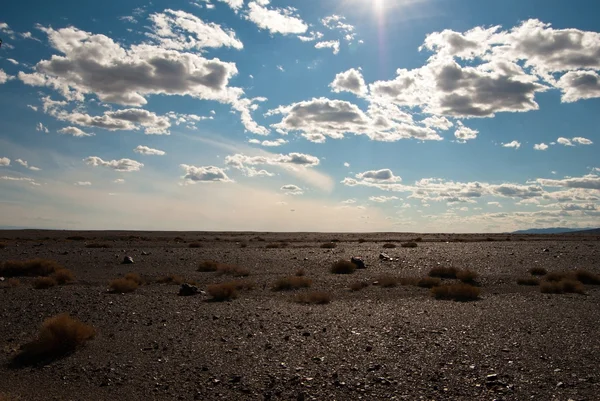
538,271
562,286
208,266
456,292
467,276
194,245
387,281
243,285
28,268
409,280
222,292
63,276
409,245
389,246
170,279
528,281
358,285
234,271
328,245
343,267
429,282
443,272
314,297
136,278
300,272
122,285
587,277
97,245
291,283
43,283
58,336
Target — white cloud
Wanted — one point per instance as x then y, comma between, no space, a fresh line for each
582,141
464,134
578,85
74,131
119,120
26,165
382,199
441,123
349,201
349,81
34,108
41,128
242,162
83,183
513,144
564,141
334,45
4,77
145,150
497,204
292,189
124,165
384,175
12,61
336,22
20,179
590,181
234,4
540,146
119,181
313,35
277,142
280,68
346,164
195,174
4,161
276,20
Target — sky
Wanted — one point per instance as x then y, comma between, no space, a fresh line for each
314,115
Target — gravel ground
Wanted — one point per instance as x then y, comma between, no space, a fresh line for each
514,343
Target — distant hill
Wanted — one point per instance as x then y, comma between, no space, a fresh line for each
559,230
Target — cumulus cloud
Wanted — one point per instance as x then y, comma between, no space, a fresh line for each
382,199
337,22
275,143
334,45
4,161
463,133
513,144
124,165
276,20
313,35
234,4
41,128
578,85
291,189
497,204
540,146
564,141
589,181
4,77
379,175
74,131
145,150
582,141
119,120
25,164
349,81
195,174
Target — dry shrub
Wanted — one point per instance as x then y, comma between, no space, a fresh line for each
418,239
358,285
561,287
361,240
300,272
343,267
443,272
97,245
328,245
76,238
13,282
314,297
409,245
63,276
587,277
528,281
171,279
208,266
59,336
43,283
467,276
243,244
291,283
456,292
277,245
429,282
538,271
389,246
195,245
136,278
234,271
122,285
243,285
222,292
387,281
556,276
28,268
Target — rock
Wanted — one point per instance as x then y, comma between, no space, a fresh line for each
545,250
187,289
360,264
384,256
127,260
492,377
144,253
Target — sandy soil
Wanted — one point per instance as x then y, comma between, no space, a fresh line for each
515,343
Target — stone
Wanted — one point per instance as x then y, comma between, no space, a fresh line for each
187,290
127,260
384,256
360,264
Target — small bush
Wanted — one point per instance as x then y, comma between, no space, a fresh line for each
572,286
194,245
538,271
63,276
429,282
314,297
98,245
343,267
389,246
328,245
561,287
243,244
361,240
243,285
556,276
291,283
456,292
277,245
43,283
208,266
418,239
467,276
409,245
136,278
358,285
28,268
387,281
300,272
59,336
232,271
528,281
222,292
171,279
443,272
587,277
122,285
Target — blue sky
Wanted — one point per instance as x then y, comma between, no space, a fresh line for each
333,115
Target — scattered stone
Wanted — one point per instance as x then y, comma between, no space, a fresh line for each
187,290
127,260
360,264
492,377
144,253
384,256
545,250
